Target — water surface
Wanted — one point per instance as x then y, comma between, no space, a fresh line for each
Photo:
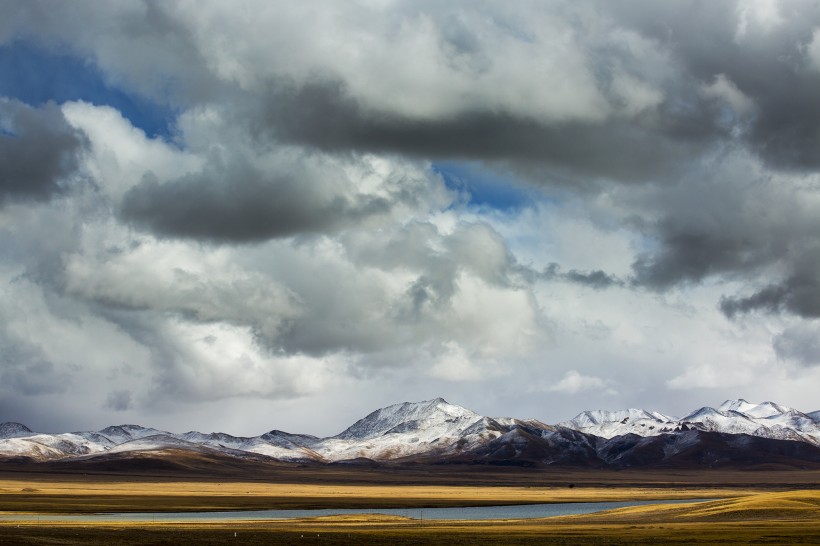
517,511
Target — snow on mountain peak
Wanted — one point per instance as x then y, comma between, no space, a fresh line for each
410,416
767,409
600,417
14,430
431,428
739,404
705,412
125,433
617,423
768,420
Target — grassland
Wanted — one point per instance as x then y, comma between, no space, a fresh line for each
754,508
774,518
96,495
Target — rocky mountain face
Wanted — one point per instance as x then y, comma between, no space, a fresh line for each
437,432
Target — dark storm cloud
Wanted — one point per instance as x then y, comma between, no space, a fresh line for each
689,253
798,294
239,203
765,57
597,279
768,66
693,256
39,151
770,299
707,230
733,219
322,114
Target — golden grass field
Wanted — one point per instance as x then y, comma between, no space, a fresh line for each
743,515
95,495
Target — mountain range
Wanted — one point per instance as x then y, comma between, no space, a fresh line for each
736,433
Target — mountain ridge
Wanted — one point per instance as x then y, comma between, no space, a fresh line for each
766,420
435,431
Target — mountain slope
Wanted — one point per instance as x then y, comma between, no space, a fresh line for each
704,449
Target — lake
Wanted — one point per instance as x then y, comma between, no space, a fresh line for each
518,511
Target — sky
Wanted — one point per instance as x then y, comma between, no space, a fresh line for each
253,215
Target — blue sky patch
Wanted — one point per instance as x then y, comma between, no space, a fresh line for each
484,187
35,76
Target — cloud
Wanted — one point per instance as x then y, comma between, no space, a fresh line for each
480,81
722,88
799,343
712,376
322,115
784,129
813,51
454,59
171,278
39,151
610,90
119,155
455,365
798,293
596,280
147,47
26,371
194,363
238,203
574,382
118,400
404,287
289,241
769,299
733,219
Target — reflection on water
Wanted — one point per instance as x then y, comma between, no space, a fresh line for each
519,511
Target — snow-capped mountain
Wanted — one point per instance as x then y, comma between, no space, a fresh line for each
436,431
125,433
407,429
389,433
766,420
617,423
43,447
276,444
432,418
14,430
